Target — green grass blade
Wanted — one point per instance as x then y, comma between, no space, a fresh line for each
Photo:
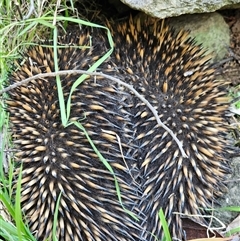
230,208
21,228
59,84
107,165
233,231
82,78
164,225
27,28
18,211
55,220
7,203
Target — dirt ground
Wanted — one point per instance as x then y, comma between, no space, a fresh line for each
231,69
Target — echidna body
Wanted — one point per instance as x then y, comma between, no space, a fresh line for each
174,75
58,160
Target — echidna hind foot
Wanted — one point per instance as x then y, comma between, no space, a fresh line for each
175,76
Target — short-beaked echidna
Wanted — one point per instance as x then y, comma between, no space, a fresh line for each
175,76
61,160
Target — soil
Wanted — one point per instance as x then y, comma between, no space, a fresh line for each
231,69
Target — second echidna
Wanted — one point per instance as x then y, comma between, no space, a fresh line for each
174,75
58,160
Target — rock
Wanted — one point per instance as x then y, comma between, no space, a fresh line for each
169,8
208,29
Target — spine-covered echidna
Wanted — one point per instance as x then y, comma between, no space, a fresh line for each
58,160
175,76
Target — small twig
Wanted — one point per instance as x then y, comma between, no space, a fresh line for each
235,56
234,100
232,180
55,12
18,9
30,11
121,150
220,63
198,217
130,87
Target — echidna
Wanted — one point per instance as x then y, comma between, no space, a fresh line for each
61,160
175,76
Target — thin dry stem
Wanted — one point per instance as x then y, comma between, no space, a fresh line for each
130,87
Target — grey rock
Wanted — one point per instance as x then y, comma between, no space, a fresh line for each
209,29
169,8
